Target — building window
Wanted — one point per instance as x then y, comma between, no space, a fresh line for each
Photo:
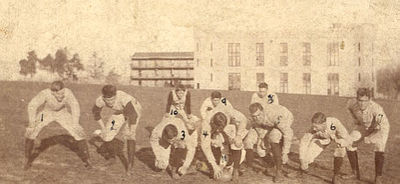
333,84
359,47
359,61
211,46
333,54
234,54
260,54
359,77
211,77
373,77
284,83
211,62
234,81
260,78
284,54
307,54
307,83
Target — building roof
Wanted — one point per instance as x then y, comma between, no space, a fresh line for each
162,55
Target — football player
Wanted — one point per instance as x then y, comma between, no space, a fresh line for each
173,146
264,96
324,130
373,127
179,100
212,102
276,120
222,140
127,112
55,100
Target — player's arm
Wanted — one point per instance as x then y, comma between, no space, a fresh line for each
275,99
287,133
169,103
161,154
96,110
191,144
132,108
206,143
228,104
188,103
350,107
342,136
75,109
379,119
36,101
253,98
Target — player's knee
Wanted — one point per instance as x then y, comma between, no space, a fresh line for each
275,136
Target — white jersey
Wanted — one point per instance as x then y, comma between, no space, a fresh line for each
270,98
207,106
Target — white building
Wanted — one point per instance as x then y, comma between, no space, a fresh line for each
335,61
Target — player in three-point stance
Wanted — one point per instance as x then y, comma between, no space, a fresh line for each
222,136
127,112
55,100
372,126
173,146
324,130
276,120
215,100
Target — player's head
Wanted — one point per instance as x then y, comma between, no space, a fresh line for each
262,89
257,113
180,90
109,93
318,121
216,98
218,122
169,134
57,90
363,98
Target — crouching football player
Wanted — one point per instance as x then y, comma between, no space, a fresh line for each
324,130
127,112
55,101
222,140
372,127
173,146
276,121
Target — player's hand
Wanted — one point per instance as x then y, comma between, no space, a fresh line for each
217,171
367,140
285,158
161,164
182,170
179,144
237,141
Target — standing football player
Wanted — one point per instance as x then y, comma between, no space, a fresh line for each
173,146
212,102
55,100
373,127
276,120
324,130
222,134
264,96
127,112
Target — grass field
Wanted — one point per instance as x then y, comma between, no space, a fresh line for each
60,165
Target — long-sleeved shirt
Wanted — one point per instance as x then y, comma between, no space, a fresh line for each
124,104
235,119
281,118
372,118
51,104
207,106
175,103
270,98
190,141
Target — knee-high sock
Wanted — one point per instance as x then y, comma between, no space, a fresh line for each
177,157
337,164
217,154
29,144
249,157
277,154
131,151
379,159
353,159
83,150
236,156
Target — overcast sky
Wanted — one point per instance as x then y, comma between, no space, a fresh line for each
115,29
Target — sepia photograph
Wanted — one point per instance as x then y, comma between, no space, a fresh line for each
206,91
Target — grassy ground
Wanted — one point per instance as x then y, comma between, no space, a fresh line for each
59,164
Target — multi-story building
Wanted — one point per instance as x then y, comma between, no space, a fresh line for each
161,68
334,61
